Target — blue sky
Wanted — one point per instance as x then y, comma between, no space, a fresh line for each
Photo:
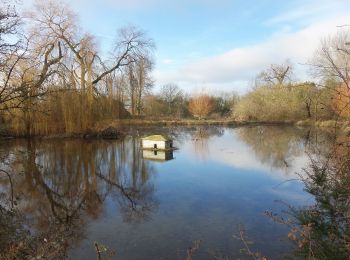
219,45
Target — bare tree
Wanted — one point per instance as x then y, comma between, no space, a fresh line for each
9,30
332,58
90,74
140,83
131,45
331,61
172,95
9,27
58,20
276,74
23,68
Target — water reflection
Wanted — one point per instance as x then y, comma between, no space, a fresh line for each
159,155
56,182
200,140
322,230
70,185
284,148
274,146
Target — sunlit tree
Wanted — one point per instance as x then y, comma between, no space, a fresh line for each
341,101
201,105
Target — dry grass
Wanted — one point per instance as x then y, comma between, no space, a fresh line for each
120,123
307,122
326,124
347,129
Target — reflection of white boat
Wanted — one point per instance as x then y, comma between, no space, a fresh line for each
159,155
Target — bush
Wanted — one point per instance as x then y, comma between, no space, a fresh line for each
283,102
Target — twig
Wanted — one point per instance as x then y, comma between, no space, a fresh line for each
98,251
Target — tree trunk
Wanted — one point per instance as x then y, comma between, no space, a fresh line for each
308,109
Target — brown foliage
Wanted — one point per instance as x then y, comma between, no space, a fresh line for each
201,105
341,101
64,112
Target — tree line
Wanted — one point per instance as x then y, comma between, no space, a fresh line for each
276,94
171,102
55,79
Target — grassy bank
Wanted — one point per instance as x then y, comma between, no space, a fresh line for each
326,124
181,122
123,126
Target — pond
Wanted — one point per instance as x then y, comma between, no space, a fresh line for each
140,207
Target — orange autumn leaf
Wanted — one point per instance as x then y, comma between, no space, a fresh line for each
341,101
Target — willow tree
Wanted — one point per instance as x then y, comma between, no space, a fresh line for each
26,64
90,72
11,53
140,83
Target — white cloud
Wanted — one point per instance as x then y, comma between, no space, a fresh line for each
307,11
290,16
167,61
240,65
161,3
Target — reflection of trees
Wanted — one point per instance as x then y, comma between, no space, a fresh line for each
78,175
273,145
7,198
277,146
64,180
60,179
131,182
322,231
200,138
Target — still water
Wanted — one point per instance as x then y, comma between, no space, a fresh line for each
141,207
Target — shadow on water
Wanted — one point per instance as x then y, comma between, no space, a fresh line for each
55,193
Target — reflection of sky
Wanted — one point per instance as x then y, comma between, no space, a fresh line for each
204,193
230,150
200,199
209,195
